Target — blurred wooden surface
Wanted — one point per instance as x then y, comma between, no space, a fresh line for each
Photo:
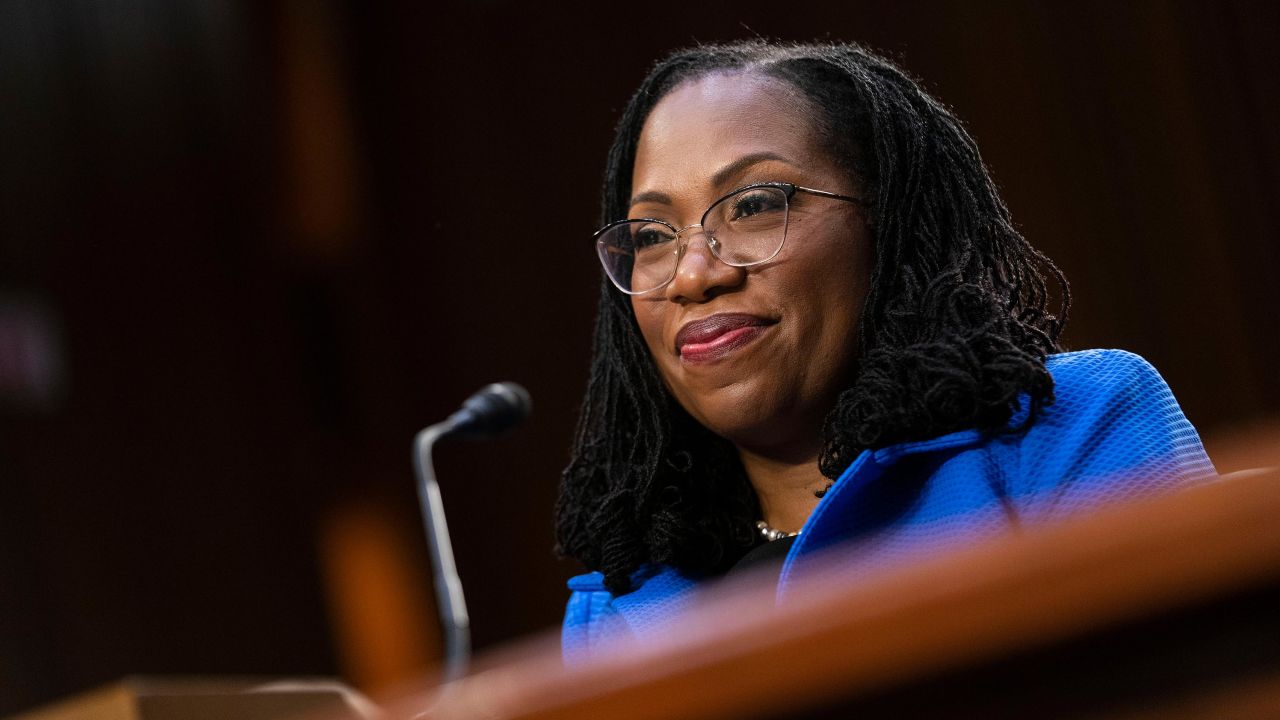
156,698
1163,608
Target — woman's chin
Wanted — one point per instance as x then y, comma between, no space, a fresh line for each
759,430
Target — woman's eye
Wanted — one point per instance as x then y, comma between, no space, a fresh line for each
756,202
650,236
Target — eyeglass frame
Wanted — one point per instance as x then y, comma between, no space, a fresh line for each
789,190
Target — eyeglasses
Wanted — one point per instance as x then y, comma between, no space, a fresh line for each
744,228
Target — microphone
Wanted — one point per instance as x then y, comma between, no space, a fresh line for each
493,410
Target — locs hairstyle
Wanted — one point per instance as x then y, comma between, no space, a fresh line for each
954,329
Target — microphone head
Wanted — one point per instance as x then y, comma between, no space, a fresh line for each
496,408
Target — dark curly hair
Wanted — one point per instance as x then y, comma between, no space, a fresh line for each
955,327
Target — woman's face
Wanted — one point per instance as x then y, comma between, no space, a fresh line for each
766,349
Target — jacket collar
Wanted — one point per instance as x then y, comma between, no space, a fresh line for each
890,454
865,469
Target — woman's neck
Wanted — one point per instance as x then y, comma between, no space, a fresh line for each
785,486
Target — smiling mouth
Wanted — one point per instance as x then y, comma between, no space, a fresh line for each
713,338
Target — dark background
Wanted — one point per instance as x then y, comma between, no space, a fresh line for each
248,249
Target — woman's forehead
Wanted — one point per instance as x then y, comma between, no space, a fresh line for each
707,124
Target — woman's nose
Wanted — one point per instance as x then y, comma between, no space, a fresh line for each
700,275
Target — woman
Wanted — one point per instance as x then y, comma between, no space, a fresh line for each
818,324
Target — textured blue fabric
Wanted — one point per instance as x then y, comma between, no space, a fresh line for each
1115,432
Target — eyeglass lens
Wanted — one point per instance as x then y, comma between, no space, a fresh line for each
745,228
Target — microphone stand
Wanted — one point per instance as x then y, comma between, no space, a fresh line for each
494,409
452,606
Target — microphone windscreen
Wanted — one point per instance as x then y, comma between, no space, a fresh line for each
496,408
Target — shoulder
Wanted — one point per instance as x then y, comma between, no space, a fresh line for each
589,601
1113,431
1102,369
588,617
1109,391
1098,394
595,616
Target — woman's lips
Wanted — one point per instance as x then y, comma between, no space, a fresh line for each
712,338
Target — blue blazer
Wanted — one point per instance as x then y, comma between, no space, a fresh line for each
1114,432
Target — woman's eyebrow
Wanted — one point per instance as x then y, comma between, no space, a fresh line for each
717,179
743,163
652,196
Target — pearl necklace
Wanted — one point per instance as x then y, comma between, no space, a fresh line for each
771,534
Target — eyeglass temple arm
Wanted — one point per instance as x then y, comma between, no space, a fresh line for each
824,193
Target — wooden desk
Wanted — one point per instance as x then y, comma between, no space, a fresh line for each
1162,608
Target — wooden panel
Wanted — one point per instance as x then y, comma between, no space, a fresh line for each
142,698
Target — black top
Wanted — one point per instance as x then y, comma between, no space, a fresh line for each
769,553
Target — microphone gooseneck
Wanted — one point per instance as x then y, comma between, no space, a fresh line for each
493,410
